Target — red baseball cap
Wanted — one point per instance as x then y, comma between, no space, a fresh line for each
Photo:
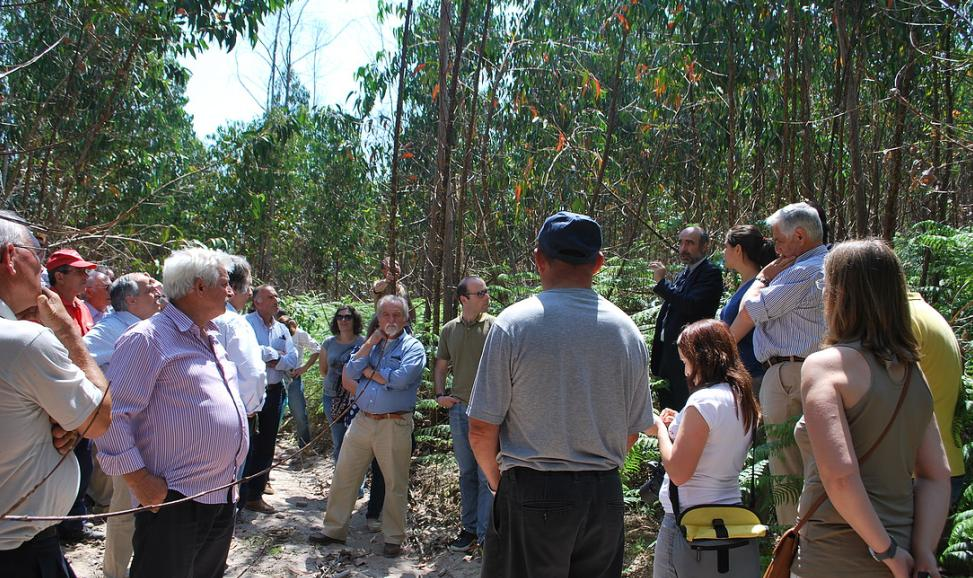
67,257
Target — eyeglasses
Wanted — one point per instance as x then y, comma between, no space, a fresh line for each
344,317
820,284
481,293
40,253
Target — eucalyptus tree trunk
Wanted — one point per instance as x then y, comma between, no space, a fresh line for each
447,261
432,276
903,83
469,143
397,141
731,144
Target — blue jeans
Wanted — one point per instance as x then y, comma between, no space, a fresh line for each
476,501
337,429
298,405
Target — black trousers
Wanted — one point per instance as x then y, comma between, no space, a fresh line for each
39,557
263,443
188,540
673,371
82,451
556,524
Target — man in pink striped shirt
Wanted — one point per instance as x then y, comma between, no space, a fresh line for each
180,427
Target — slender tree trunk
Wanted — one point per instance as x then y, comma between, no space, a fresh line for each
397,141
434,247
878,130
946,180
731,90
785,148
795,97
474,107
612,120
808,149
903,82
847,50
486,203
446,256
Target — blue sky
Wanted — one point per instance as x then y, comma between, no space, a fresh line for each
231,86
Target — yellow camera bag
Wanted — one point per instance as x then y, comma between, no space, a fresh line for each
715,522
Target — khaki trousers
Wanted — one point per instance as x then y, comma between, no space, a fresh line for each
100,484
119,531
780,401
390,442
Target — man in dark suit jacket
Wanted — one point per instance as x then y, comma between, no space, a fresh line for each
693,295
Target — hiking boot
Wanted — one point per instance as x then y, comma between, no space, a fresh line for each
465,542
391,550
373,524
269,490
260,506
322,539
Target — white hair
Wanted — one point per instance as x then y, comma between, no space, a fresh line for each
795,215
12,228
394,300
183,267
94,276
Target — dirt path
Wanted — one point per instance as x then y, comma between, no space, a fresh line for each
266,546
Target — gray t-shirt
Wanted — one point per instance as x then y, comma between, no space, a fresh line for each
37,381
565,376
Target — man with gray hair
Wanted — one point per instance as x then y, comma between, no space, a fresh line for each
179,427
134,297
785,309
279,356
388,369
239,340
48,377
96,292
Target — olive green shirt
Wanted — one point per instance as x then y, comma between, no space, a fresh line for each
461,344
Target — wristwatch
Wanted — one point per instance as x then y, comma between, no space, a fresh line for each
762,279
890,553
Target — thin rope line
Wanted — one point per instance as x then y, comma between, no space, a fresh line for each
279,461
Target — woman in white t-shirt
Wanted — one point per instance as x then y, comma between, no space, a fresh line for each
703,448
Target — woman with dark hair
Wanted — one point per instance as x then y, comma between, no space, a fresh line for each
346,327
883,471
703,448
745,251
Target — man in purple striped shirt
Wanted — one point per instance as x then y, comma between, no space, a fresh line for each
180,427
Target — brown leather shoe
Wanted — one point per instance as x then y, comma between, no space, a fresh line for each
260,506
392,550
322,539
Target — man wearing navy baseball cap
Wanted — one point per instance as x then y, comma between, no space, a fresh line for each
561,393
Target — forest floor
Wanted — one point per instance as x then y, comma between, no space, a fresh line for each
276,545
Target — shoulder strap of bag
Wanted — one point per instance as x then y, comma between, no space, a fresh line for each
824,495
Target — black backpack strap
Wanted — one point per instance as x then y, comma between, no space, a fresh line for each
723,560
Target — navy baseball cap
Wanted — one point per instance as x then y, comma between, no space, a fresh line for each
570,237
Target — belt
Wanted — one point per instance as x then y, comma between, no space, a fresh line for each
389,415
784,359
